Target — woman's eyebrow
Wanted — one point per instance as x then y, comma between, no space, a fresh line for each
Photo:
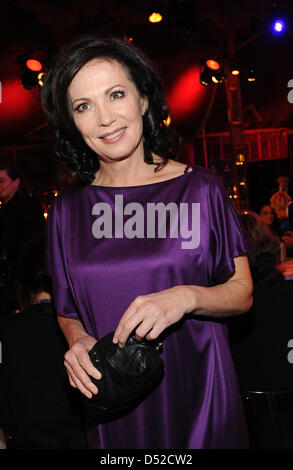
80,99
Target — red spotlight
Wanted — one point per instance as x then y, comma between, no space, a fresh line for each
213,64
34,65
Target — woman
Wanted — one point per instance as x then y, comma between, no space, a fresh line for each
268,216
119,264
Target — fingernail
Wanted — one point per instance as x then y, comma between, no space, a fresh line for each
96,375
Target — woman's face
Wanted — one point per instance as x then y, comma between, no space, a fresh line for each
107,110
267,214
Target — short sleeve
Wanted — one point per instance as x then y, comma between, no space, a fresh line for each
229,238
55,260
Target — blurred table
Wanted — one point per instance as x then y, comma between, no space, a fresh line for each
287,268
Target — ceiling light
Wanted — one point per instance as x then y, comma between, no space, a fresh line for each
155,17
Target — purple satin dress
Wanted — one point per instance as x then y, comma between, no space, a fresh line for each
106,246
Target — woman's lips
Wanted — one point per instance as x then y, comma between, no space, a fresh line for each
112,137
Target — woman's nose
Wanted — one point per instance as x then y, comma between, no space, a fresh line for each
104,116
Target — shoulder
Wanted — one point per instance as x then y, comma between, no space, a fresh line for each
67,193
205,174
176,168
64,198
207,180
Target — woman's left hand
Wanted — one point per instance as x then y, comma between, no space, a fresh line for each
153,313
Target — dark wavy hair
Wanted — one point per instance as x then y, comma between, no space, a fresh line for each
12,170
71,148
265,254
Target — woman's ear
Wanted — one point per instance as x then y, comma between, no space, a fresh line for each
144,105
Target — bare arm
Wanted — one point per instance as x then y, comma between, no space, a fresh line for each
77,362
233,297
153,313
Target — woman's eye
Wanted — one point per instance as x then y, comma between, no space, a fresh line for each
117,94
82,107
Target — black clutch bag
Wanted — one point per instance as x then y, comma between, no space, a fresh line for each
129,375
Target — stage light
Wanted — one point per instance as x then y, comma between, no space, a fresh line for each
34,65
218,76
155,17
279,26
278,19
251,75
205,77
215,75
29,79
167,121
213,64
40,78
240,159
235,69
31,70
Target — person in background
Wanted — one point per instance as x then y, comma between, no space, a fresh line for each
260,339
267,215
21,216
284,184
280,202
38,408
288,236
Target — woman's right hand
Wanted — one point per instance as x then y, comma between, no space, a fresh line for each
79,366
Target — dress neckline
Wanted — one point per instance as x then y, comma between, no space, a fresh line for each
145,185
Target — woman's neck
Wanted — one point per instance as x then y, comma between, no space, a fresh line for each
125,173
